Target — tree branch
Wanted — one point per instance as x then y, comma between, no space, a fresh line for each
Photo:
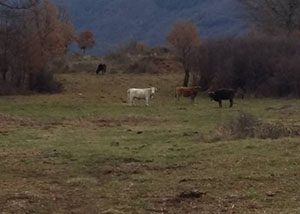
16,6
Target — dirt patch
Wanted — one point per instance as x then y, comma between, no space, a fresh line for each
9,123
191,194
47,199
127,167
281,108
20,202
203,203
94,122
12,153
98,122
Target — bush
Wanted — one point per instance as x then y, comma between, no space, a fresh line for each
261,65
143,66
7,89
118,58
243,126
276,130
247,126
44,82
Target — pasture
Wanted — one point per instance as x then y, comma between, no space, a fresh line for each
86,151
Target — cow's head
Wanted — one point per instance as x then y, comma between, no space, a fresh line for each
211,94
153,91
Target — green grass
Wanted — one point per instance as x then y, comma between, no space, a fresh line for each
86,151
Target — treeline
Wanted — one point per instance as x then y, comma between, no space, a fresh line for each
265,62
260,65
32,34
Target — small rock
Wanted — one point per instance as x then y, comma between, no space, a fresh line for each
270,194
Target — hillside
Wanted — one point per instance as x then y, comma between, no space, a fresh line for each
117,21
86,151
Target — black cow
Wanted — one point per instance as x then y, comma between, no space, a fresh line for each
222,94
101,67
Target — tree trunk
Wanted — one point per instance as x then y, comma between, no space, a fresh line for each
186,78
4,72
31,81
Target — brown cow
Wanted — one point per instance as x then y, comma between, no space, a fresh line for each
187,92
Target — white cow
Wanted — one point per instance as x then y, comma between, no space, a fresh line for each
140,93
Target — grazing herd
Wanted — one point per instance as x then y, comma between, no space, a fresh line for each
191,92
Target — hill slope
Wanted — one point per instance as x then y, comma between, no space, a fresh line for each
116,21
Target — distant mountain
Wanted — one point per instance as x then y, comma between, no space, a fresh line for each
117,21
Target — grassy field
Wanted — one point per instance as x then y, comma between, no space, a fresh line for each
86,151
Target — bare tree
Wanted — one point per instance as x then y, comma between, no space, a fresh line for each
86,40
184,38
29,40
46,36
272,15
18,5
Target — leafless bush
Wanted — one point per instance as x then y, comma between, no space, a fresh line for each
243,126
142,66
126,51
44,82
134,47
276,130
247,126
29,39
261,65
118,58
7,89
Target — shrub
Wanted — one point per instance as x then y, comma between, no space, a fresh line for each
261,65
44,82
143,66
242,126
7,89
118,58
247,126
275,131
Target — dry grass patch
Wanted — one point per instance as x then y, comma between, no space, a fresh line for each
7,121
248,126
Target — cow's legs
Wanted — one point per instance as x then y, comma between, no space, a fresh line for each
147,101
220,103
131,101
231,102
192,99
